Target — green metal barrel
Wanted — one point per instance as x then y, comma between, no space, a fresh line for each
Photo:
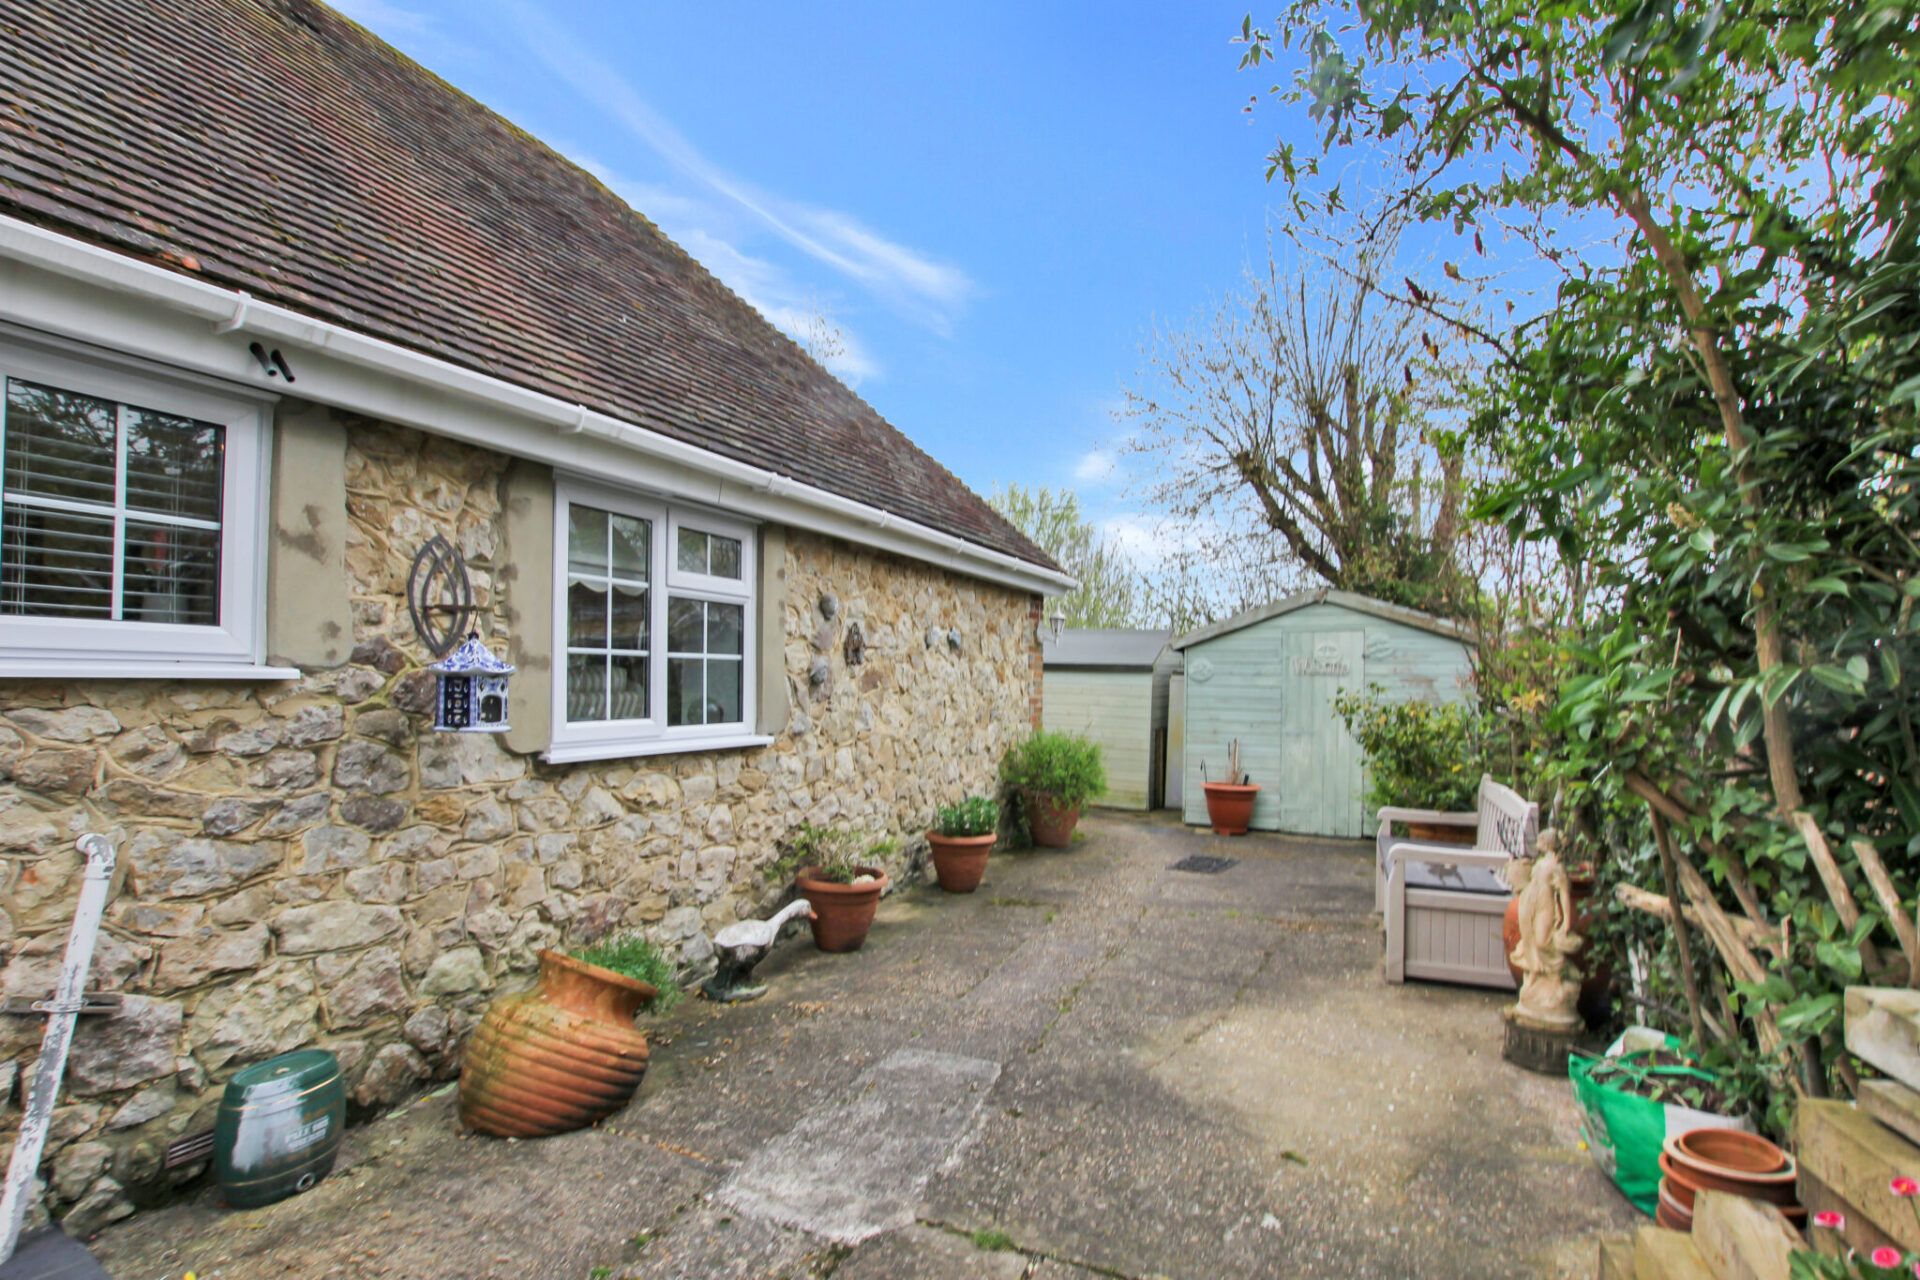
279,1127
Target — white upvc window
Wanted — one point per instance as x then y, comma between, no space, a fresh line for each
653,626
132,504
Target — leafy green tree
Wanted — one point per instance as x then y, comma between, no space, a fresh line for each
1108,594
1718,415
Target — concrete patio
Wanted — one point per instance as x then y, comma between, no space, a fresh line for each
1093,1066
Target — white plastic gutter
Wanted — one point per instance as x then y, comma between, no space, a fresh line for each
230,311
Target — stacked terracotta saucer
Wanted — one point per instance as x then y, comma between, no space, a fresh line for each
1731,1160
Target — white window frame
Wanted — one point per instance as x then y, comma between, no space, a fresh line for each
610,739
94,647
701,586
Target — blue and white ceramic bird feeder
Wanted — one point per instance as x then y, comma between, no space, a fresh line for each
473,689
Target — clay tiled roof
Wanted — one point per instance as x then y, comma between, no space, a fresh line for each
274,146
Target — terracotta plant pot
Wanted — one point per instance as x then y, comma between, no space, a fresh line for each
1728,1160
960,861
1685,1183
1730,1152
1230,806
1048,821
1671,1214
842,913
1596,987
561,1056
1441,833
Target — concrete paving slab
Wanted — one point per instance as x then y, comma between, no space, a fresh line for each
1198,1076
927,1253
1054,1269
415,1198
856,1166
712,1243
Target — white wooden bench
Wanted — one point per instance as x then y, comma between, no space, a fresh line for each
1443,905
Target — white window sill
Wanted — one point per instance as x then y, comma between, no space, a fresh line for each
576,752
83,669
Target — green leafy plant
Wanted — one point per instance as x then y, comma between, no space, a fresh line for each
836,853
632,956
1714,425
1663,1076
973,816
1420,755
1063,766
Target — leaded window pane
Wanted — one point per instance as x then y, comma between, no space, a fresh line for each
607,623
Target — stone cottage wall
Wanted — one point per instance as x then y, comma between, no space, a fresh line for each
305,863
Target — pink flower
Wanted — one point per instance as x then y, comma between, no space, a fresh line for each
1885,1257
1904,1187
1830,1220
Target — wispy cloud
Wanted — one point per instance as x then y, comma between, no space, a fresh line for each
913,282
1096,466
767,287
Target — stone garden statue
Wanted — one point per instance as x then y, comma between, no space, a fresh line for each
739,947
1549,984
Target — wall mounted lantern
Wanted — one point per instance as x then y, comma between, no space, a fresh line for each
472,693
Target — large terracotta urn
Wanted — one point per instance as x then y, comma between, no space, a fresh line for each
561,1056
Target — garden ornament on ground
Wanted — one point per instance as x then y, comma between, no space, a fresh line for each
1549,989
739,947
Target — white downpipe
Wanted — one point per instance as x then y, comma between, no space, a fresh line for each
231,310
61,1012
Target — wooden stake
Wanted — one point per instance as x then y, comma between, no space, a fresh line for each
1836,884
1737,878
1754,935
1664,839
1734,953
1896,914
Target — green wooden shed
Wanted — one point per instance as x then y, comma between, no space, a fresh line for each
1269,677
1110,684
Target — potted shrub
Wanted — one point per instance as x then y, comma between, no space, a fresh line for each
840,876
566,1054
1420,755
962,837
1054,774
1230,801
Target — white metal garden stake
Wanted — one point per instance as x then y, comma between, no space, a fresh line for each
62,1011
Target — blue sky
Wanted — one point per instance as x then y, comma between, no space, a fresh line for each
993,202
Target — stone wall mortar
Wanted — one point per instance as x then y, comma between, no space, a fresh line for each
307,863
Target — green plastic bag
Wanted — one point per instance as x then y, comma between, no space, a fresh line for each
1624,1131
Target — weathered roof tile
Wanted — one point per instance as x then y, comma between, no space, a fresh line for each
274,146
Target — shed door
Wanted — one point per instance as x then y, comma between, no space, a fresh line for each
1320,763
